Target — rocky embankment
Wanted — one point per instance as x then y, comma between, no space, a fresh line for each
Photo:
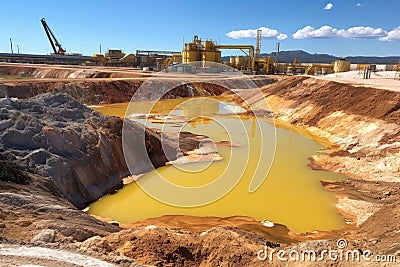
34,215
77,148
31,204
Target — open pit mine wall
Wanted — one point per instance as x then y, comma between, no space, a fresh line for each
107,91
64,72
77,148
102,92
363,123
94,92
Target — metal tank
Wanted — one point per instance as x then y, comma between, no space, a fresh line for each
232,61
240,61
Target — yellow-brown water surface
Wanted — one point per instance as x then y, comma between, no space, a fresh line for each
291,194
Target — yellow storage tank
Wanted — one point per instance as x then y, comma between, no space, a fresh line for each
341,65
212,56
218,57
240,60
232,61
208,56
190,56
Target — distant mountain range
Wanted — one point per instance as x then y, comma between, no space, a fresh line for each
289,56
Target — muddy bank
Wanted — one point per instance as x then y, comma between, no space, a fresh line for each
362,126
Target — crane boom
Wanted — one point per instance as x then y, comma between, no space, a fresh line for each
52,38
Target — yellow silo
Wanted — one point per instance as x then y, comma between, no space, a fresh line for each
240,61
341,65
232,61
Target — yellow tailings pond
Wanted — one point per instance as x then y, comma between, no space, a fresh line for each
291,194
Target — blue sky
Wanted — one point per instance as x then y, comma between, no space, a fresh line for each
81,26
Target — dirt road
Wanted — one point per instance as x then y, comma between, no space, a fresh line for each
14,255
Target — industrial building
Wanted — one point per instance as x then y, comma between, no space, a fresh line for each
209,51
47,59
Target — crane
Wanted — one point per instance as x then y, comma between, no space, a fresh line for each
52,39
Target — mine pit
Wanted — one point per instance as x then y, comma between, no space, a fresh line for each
290,196
65,183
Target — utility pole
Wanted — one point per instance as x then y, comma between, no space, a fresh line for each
18,48
100,48
11,46
277,56
258,44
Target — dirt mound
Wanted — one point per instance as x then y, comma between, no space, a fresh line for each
78,148
219,246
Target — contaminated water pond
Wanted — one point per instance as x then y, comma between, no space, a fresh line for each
290,194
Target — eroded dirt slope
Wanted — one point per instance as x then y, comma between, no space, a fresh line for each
362,125
113,85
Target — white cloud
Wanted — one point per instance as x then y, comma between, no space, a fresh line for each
393,35
359,4
328,6
309,32
363,32
252,33
326,31
281,36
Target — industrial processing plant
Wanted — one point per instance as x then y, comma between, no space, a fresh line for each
250,62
